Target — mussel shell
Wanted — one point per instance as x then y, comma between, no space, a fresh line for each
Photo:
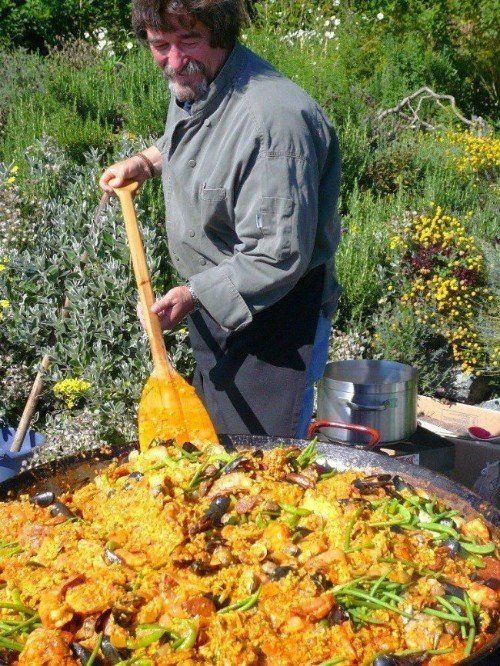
280,572
234,464
453,546
43,499
135,475
60,509
454,590
110,652
190,447
400,484
110,557
337,615
83,655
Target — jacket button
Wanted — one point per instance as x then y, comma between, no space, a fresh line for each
192,163
191,233
176,257
207,122
203,261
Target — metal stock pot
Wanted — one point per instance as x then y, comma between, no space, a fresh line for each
377,394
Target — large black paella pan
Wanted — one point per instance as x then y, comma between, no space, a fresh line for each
74,471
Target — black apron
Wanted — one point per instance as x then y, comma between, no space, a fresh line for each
252,381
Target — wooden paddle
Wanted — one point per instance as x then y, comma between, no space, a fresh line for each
169,407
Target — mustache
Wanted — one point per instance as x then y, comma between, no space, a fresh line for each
192,67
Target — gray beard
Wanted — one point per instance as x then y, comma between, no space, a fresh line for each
185,93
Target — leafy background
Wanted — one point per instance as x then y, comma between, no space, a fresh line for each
77,93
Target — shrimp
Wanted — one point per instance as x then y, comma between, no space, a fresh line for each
47,647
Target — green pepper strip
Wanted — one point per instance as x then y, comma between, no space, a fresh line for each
10,645
186,642
332,662
295,510
459,619
435,527
20,626
350,526
149,633
470,641
382,604
243,604
20,608
95,651
476,560
477,549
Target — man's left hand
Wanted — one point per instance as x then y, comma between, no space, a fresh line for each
173,307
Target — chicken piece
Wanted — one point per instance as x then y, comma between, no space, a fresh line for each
277,538
423,632
315,608
47,647
324,560
53,610
88,598
476,529
484,596
233,483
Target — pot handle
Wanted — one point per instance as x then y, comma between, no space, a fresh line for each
365,430
366,408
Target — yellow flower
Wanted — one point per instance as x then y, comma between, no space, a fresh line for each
11,180
14,169
71,390
2,267
4,303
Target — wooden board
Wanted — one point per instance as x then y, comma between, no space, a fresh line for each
457,417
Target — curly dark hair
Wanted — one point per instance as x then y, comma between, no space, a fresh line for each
223,18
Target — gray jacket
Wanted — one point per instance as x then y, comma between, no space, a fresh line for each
251,181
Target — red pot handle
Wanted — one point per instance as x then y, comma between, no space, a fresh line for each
365,430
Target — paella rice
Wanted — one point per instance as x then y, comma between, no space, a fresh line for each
188,556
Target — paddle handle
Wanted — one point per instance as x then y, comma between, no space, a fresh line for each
143,280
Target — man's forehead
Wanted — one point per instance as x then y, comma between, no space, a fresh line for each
177,28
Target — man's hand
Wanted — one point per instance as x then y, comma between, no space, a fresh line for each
133,168
171,308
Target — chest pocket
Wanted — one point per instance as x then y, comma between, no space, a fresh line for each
275,226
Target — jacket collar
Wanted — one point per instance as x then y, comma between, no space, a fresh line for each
234,65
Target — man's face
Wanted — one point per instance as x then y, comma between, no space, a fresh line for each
186,58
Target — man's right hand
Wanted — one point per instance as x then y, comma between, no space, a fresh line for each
133,168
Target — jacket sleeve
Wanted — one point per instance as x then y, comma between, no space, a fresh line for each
276,211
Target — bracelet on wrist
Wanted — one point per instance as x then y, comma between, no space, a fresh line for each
150,166
195,298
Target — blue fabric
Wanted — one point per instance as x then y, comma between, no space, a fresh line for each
315,371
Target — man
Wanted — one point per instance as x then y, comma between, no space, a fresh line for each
251,171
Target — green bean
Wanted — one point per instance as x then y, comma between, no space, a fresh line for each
446,616
20,608
20,626
344,586
95,651
383,604
332,662
364,618
468,610
350,526
295,510
308,454
197,477
446,604
463,631
386,523
243,604
470,641
477,549
8,644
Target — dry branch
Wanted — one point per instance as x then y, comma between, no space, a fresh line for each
416,122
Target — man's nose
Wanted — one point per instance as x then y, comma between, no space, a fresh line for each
176,58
